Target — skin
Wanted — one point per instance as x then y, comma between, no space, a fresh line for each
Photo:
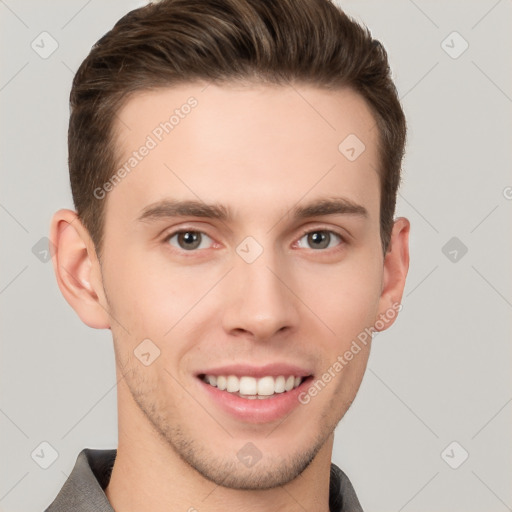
260,151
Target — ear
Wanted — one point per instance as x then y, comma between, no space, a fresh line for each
77,269
396,265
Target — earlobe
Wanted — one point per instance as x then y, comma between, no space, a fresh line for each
396,265
77,269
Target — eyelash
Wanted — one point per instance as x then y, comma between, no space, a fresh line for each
305,232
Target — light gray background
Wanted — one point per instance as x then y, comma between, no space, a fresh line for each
442,373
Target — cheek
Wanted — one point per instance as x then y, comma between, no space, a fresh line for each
136,301
345,298
152,298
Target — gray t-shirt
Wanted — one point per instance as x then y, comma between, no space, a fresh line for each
84,490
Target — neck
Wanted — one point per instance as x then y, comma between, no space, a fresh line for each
149,475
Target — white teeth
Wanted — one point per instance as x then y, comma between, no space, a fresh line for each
266,386
250,387
279,384
221,382
233,384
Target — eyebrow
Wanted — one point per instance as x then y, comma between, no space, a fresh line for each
168,208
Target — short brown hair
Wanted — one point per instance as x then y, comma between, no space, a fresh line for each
268,41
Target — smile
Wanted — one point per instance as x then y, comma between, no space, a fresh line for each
253,388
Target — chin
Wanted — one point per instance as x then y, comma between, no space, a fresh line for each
267,473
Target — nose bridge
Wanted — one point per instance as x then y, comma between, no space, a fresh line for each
260,303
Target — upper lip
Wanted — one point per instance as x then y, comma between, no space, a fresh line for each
273,369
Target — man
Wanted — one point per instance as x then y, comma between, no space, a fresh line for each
234,166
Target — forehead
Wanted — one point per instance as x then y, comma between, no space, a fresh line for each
230,143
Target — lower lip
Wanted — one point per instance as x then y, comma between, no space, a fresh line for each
256,410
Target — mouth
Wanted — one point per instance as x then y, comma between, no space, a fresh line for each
252,388
255,395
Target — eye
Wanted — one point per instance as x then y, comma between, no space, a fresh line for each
189,240
320,239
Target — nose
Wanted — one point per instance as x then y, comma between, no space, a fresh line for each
260,302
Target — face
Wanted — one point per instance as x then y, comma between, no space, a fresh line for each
244,247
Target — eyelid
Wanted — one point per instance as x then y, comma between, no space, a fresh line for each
307,231
178,231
